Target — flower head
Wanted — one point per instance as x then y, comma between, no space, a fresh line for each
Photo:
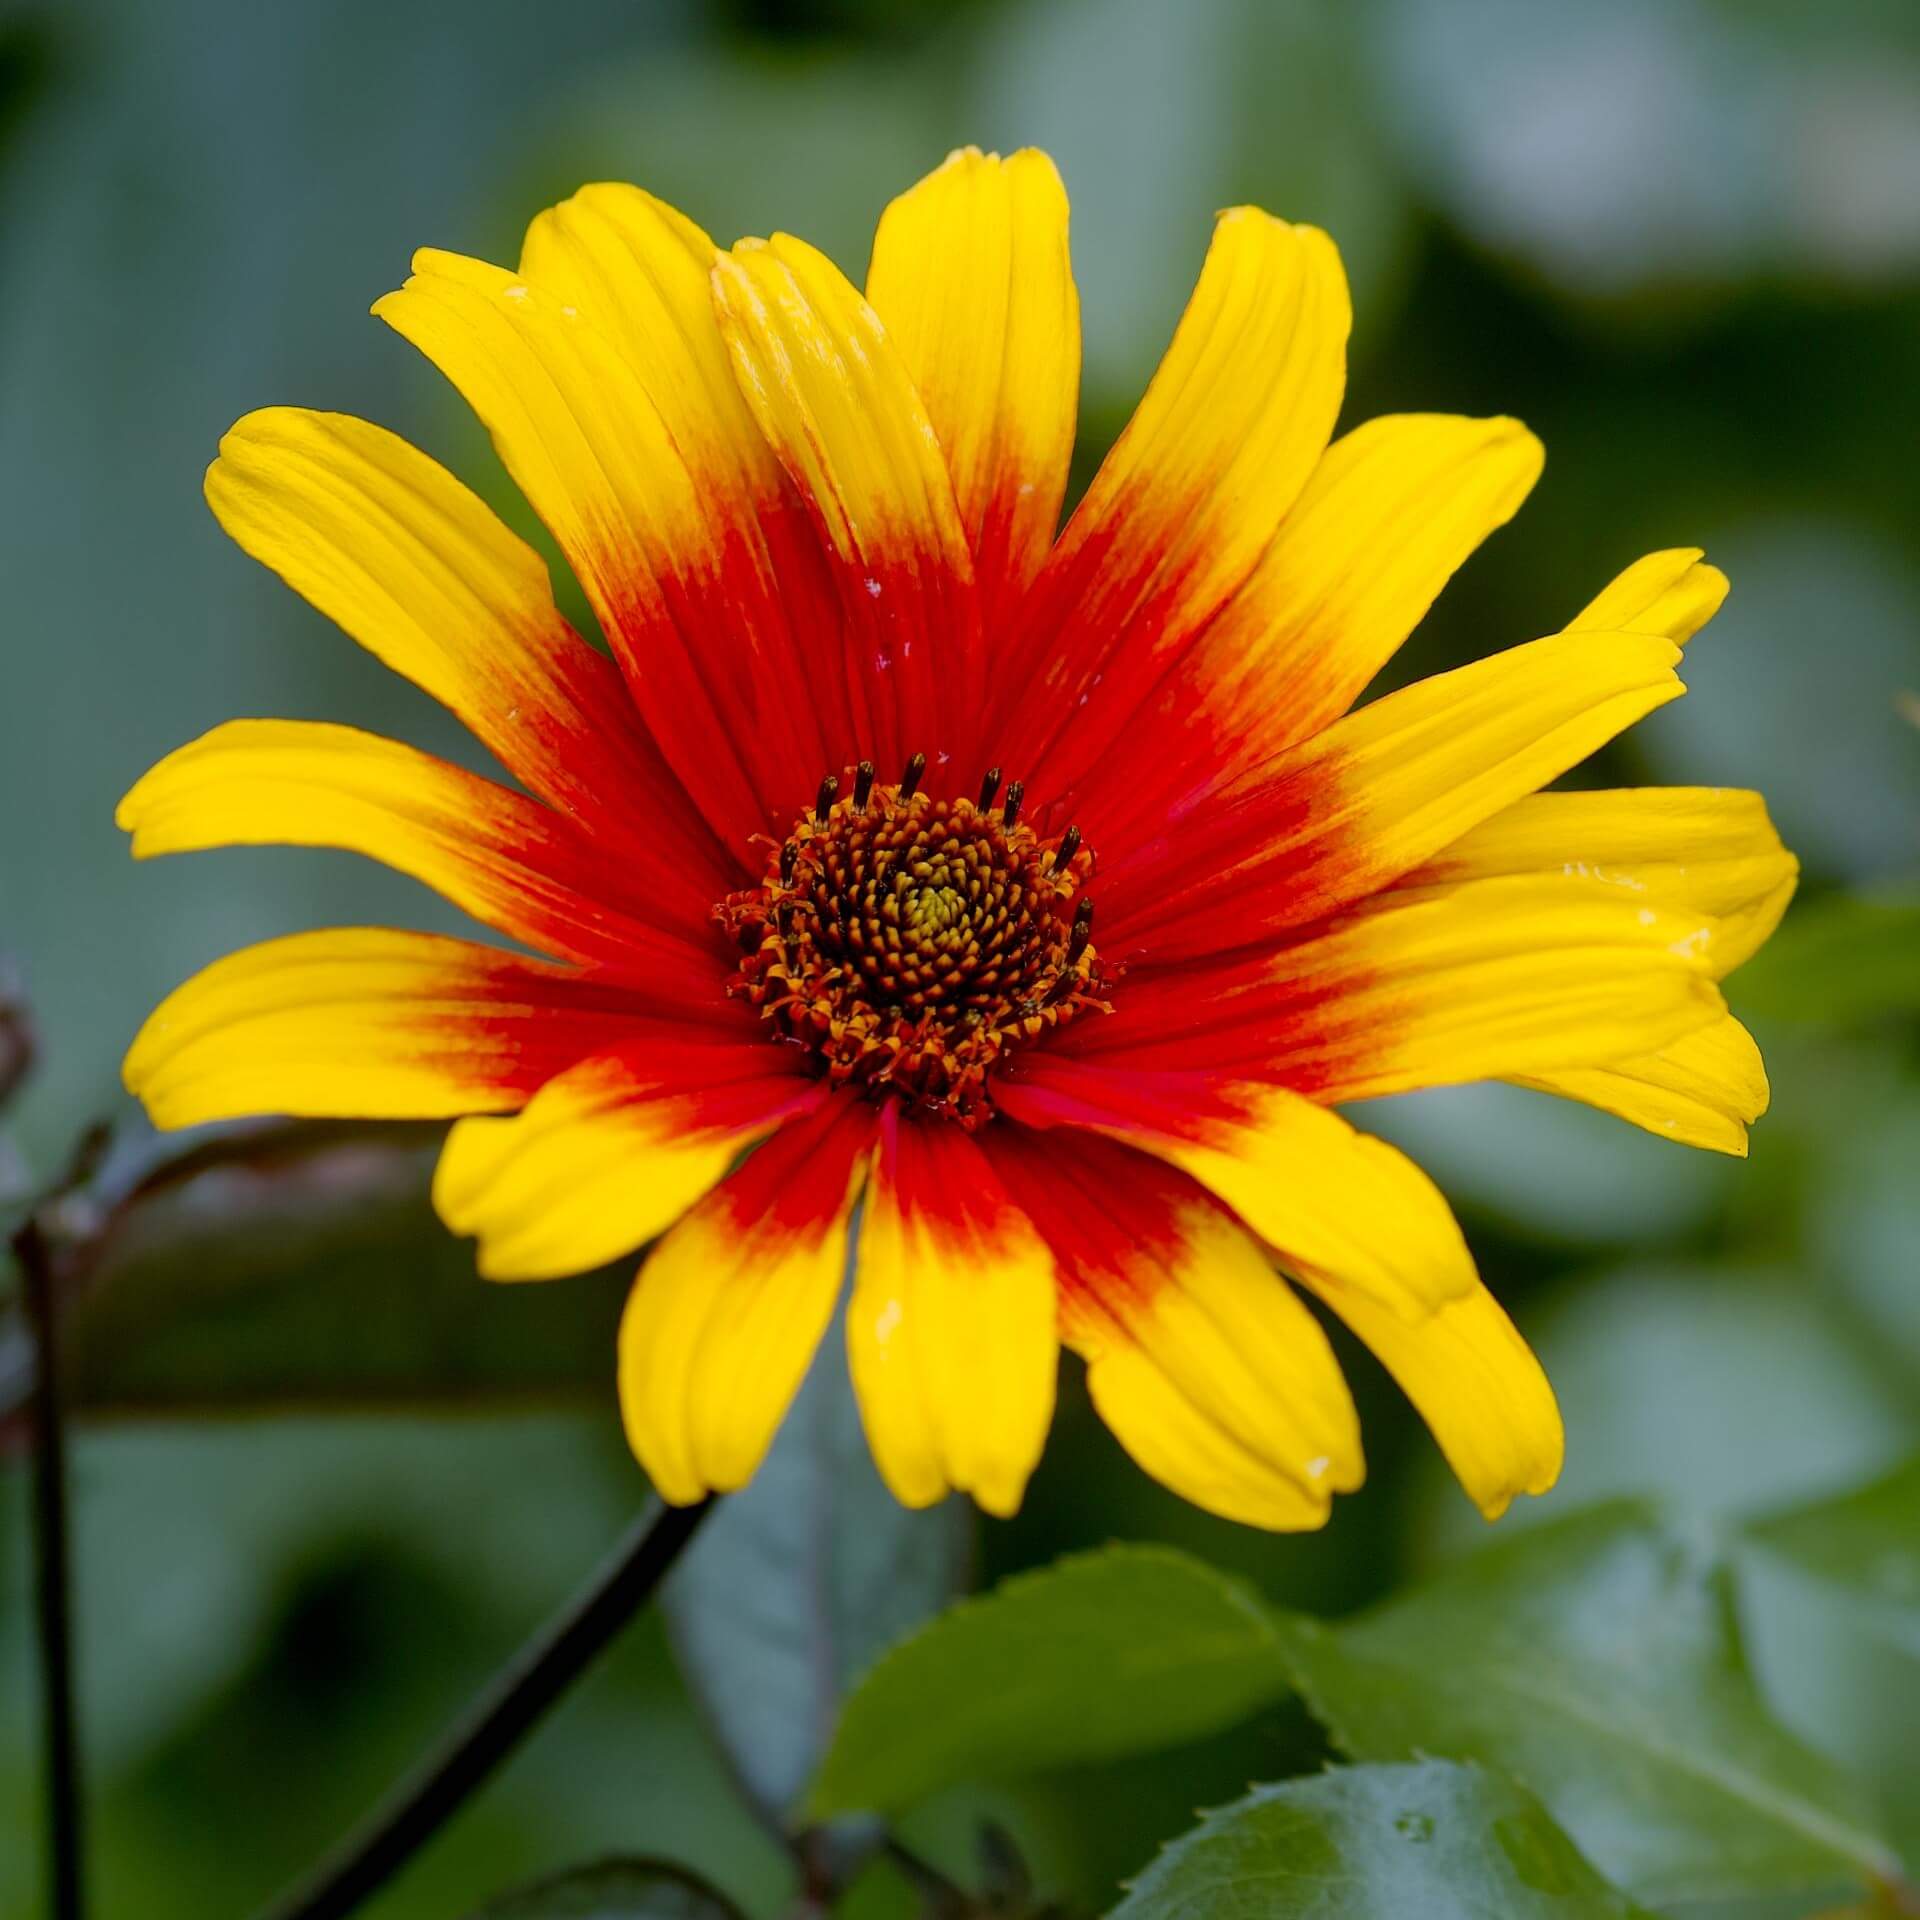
1041,894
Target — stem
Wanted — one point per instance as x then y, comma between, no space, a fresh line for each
495,1723
53,1582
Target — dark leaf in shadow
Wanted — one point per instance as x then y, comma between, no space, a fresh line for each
284,1264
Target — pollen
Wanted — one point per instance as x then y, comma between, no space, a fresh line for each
910,943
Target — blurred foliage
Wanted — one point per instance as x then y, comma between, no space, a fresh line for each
615,1890
16,1036
1844,962
1866,1545
1679,237
279,1265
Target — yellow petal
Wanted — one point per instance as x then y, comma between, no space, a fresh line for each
367,1023
1429,986
611,1152
1475,1382
1703,850
1433,986
1330,1198
1704,1089
1200,1358
392,548
835,401
1185,504
1698,850
971,278
1169,1433
1321,1194
641,274
588,447
1414,770
1341,815
730,1306
1389,513
951,1331
508,860
1674,593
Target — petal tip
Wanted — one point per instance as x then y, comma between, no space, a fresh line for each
1532,449
999,1495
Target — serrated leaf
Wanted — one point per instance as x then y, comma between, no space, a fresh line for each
294,1265
614,1890
1866,1544
1596,1659
1433,1840
1840,962
799,1581
1098,1656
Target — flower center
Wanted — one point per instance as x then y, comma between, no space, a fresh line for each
908,943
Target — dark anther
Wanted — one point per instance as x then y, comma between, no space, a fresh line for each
788,855
823,801
1082,930
1011,811
862,784
989,787
910,780
1068,847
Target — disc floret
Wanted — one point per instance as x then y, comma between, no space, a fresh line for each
910,942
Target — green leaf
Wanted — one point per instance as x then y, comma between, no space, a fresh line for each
1839,962
1596,1659
1098,1656
294,1265
1866,1544
1434,1840
615,1890
799,1581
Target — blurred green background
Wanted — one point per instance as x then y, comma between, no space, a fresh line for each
1682,240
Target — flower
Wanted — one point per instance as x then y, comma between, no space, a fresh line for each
815,855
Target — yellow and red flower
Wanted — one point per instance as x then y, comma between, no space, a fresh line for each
815,854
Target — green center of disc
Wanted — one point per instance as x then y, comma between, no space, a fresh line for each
935,909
